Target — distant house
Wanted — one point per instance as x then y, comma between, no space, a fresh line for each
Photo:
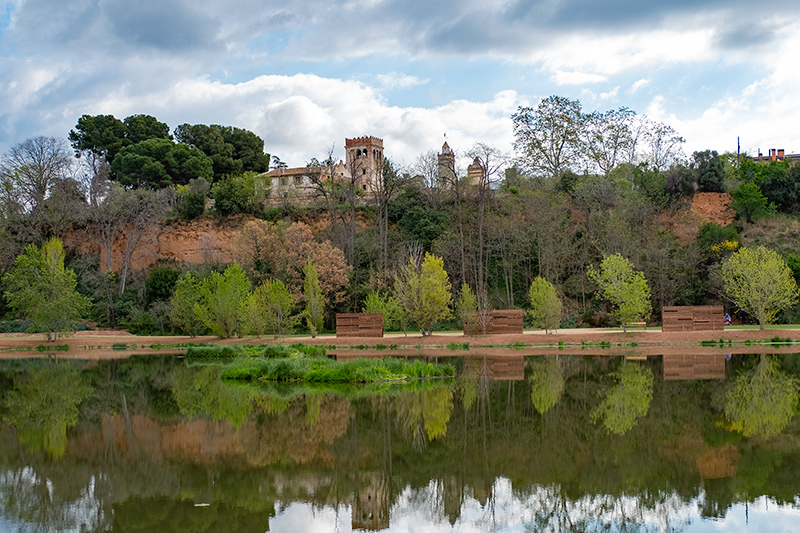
363,164
777,155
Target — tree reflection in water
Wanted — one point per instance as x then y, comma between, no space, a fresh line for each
762,400
154,438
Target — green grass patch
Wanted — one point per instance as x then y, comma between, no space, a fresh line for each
229,351
52,348
324,370
453,346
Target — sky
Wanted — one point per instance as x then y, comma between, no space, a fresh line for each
306,74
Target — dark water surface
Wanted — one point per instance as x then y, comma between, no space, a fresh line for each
556,443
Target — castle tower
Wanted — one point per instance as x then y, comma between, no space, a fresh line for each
364,159
447,165
475,172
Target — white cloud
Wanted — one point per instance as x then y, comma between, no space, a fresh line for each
577,78
639,84
394,80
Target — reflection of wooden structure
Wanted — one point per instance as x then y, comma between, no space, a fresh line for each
688,366
498,322
692,318
497,367
359,324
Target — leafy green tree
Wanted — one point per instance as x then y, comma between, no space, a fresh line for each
223,304
239,194
142,127
270,308
393,316
547,383
763,400
232,150
625,288
314,300
423,290
629,400
710,169
39,288
156,163
160,284
467,308
186,299
758,281
749,202
103,135
545,309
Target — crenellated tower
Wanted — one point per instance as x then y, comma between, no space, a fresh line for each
364,159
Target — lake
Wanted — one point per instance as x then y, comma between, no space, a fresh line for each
548,443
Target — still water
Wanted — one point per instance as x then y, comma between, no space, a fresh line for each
557,443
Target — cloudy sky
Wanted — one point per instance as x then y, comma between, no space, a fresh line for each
305,74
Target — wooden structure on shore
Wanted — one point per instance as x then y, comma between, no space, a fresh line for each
359,325
497,321
692,318
693,366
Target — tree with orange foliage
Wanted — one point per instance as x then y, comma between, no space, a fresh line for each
282,251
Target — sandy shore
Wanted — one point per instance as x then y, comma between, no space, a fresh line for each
98,344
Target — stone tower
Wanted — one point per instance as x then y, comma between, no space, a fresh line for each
364,159
447,165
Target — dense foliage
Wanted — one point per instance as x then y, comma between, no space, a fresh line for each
581,187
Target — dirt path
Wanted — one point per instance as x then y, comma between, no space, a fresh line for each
98,344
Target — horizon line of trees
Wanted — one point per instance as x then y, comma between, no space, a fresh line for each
610,188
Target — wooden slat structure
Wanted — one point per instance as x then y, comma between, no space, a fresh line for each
694,366
497,367
498,322
359,324
692,318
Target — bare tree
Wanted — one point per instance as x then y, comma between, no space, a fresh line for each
489,162
385,186
29,170
547,138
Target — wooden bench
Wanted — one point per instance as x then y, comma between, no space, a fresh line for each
638,325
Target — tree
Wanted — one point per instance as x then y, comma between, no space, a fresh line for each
545,310
157,163
222,306
467,308
270,309
547,138
423,290
314,299
710,171
762,401
664,145
758,282
608,137
30,169
232,150
102,135
749,202
393,316
39,288
628,401
624,287
185,301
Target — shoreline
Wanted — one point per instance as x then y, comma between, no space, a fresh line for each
97,344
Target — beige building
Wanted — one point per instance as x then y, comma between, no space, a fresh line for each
363,163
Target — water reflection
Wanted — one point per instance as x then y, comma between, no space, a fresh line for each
581,443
